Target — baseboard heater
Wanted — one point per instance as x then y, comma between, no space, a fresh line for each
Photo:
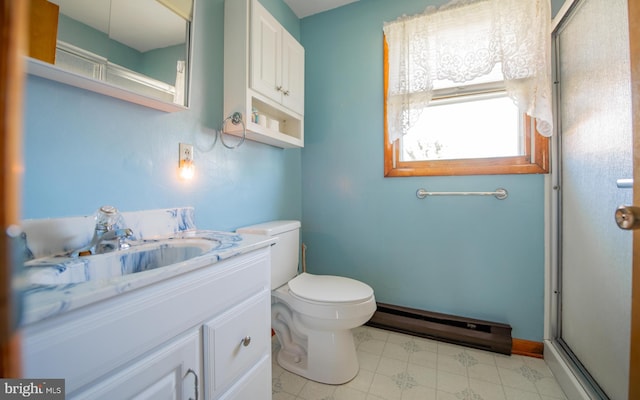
485,335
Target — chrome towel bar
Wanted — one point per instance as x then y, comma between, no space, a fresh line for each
499,193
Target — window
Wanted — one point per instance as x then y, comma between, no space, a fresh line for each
490,128
461,119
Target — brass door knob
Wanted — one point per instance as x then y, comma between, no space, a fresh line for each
628,217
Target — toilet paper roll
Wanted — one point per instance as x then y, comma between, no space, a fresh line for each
262,120
274,124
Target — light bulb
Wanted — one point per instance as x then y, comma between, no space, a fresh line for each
187,170
186,166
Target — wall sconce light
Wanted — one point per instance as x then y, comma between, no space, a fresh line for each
186,167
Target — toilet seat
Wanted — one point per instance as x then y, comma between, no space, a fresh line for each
329,289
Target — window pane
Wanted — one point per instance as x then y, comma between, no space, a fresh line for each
495,76
474,128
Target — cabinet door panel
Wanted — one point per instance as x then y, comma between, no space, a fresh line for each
161,375
292,73
163,389
266,55
256,385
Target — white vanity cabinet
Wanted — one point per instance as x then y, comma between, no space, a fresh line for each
263,73
169,340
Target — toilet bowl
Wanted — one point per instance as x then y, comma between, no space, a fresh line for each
313,315
314,326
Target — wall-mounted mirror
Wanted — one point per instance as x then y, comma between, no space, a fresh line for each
136,50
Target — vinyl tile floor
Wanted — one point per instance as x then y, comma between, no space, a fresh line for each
395,366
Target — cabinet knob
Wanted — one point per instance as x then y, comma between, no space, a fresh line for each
245,342
279,88
286,92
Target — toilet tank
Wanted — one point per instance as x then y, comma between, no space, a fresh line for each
284,253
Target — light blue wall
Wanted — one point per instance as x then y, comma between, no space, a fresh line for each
476,257
83,150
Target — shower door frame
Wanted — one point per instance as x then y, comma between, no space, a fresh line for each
572,383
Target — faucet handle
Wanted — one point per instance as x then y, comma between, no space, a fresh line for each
123,235
120,233
106,217
115,239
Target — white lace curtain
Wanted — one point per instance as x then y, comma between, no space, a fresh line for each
466,39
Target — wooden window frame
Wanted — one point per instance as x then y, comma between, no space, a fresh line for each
534,161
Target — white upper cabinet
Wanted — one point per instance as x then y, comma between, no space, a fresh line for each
263,76
277,61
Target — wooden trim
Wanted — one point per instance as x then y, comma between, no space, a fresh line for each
527,348
43,30
388,147
540,155
13,28
536,162
484,166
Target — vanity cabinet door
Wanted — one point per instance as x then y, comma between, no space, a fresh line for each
234,343
254,385
170,373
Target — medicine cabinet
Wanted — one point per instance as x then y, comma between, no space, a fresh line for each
138,51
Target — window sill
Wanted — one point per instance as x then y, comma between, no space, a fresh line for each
487,166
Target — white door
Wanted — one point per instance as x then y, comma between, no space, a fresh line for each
595,153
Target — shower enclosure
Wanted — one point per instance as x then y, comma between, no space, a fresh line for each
590,282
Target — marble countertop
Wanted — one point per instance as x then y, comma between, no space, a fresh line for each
44,301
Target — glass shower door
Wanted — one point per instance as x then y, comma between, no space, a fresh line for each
595,256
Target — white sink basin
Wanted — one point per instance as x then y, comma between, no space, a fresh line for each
141,256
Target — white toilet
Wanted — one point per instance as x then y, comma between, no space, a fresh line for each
313,315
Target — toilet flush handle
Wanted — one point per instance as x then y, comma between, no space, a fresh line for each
245,342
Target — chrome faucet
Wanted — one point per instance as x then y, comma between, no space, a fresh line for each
106,237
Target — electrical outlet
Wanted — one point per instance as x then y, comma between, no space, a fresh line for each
186,154
186,167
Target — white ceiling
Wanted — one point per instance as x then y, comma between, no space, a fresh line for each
304,8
